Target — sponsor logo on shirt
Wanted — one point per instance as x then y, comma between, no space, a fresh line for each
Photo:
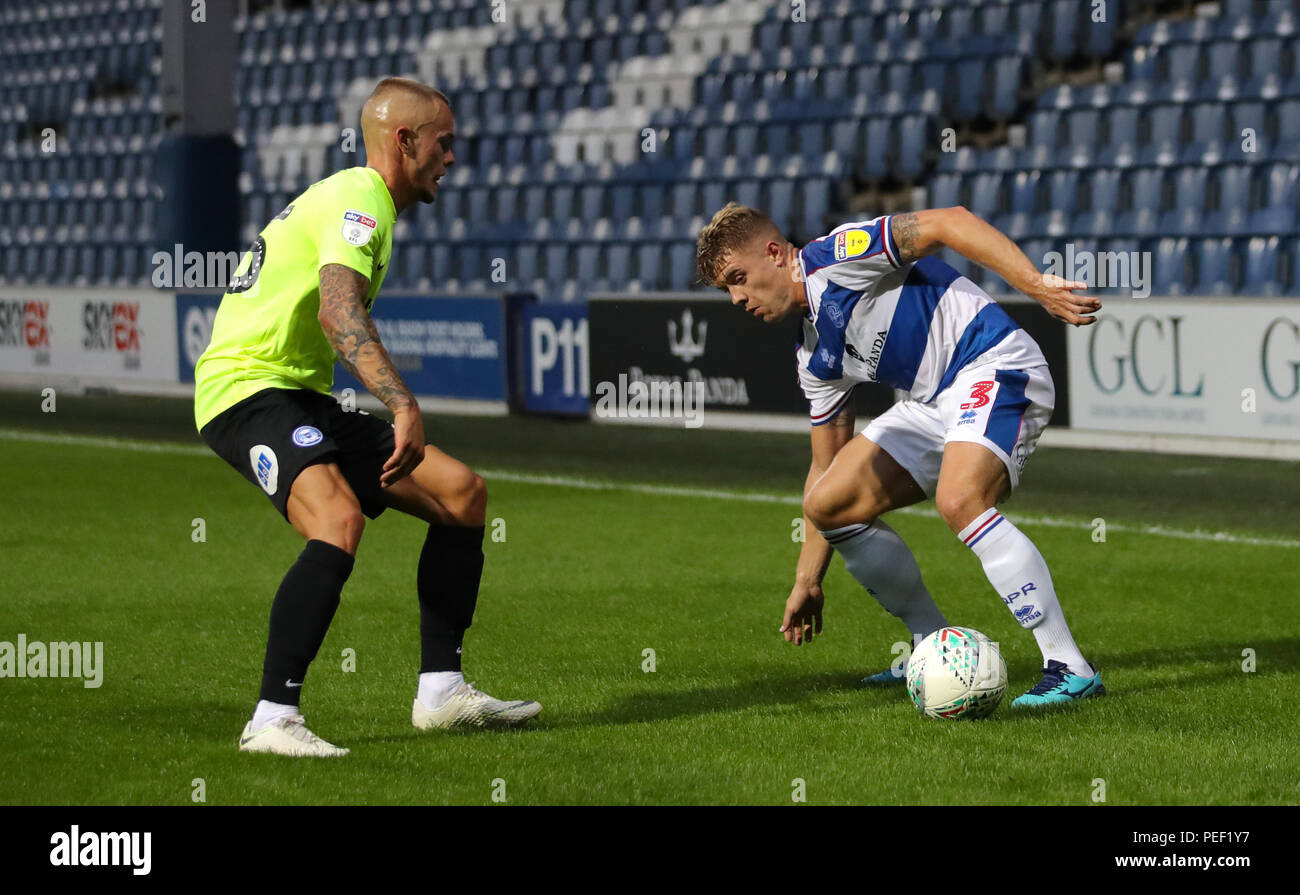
358,227
851,243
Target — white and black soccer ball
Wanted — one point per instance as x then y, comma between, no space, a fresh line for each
956,673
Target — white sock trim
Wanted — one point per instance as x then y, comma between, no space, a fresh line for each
981,525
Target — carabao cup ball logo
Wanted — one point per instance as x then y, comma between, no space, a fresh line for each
306,436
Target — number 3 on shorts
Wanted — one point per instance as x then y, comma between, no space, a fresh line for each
979,395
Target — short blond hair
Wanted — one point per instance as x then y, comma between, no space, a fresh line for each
733,227
410,87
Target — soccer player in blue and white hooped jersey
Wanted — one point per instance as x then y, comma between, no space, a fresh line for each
876,309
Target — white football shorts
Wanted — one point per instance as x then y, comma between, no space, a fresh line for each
1003,409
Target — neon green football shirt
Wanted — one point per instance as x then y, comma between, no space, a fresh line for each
266,333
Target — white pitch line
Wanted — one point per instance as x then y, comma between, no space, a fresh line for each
560,481
1220,537
122,444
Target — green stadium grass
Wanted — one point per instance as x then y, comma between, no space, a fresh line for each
99,547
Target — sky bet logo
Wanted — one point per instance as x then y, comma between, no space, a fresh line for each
112,326
26,324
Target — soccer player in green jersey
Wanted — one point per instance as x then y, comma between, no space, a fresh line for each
299,299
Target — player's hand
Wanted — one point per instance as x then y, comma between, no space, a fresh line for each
408,440
803,614
1057,295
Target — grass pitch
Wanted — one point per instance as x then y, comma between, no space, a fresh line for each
99,545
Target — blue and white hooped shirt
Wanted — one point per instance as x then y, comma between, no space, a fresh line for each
912,326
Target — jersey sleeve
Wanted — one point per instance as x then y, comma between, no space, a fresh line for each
826,397
350,232
854,255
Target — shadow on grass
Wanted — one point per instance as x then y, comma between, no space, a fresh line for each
219,721
1271,657
768,691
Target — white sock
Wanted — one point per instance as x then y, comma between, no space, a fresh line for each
877,557
1019,573
266,712
436,687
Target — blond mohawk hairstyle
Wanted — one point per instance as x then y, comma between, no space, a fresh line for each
732,227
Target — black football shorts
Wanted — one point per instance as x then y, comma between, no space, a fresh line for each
275,434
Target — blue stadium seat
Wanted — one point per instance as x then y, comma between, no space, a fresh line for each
1165,124
1103,191
1235,188
986,194
969,89
1045,128
1146,202
914,140
1064,34
945,190
1277,214
1263,274
1223,61
588,262
1025,197
816,195
1243,115
878,160
782,204
556,259
1181,62
1287,135
1215,267
1265,57
682,265
1097,38
1172,265
1010,75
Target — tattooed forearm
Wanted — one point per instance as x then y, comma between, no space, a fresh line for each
845,419
352,335
906,230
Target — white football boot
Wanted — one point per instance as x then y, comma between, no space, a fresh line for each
288,735
468,707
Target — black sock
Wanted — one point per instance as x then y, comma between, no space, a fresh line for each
451,565
300,615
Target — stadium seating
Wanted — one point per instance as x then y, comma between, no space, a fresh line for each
596,136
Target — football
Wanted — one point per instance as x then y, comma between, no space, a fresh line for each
956,673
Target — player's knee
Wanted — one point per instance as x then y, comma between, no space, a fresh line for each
476,500
346,525
826,509
817,508
958,506
469,499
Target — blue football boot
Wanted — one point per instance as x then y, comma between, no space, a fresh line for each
1059,686
885,678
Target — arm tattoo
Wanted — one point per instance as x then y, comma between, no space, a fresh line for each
845,419
352,335
906,233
